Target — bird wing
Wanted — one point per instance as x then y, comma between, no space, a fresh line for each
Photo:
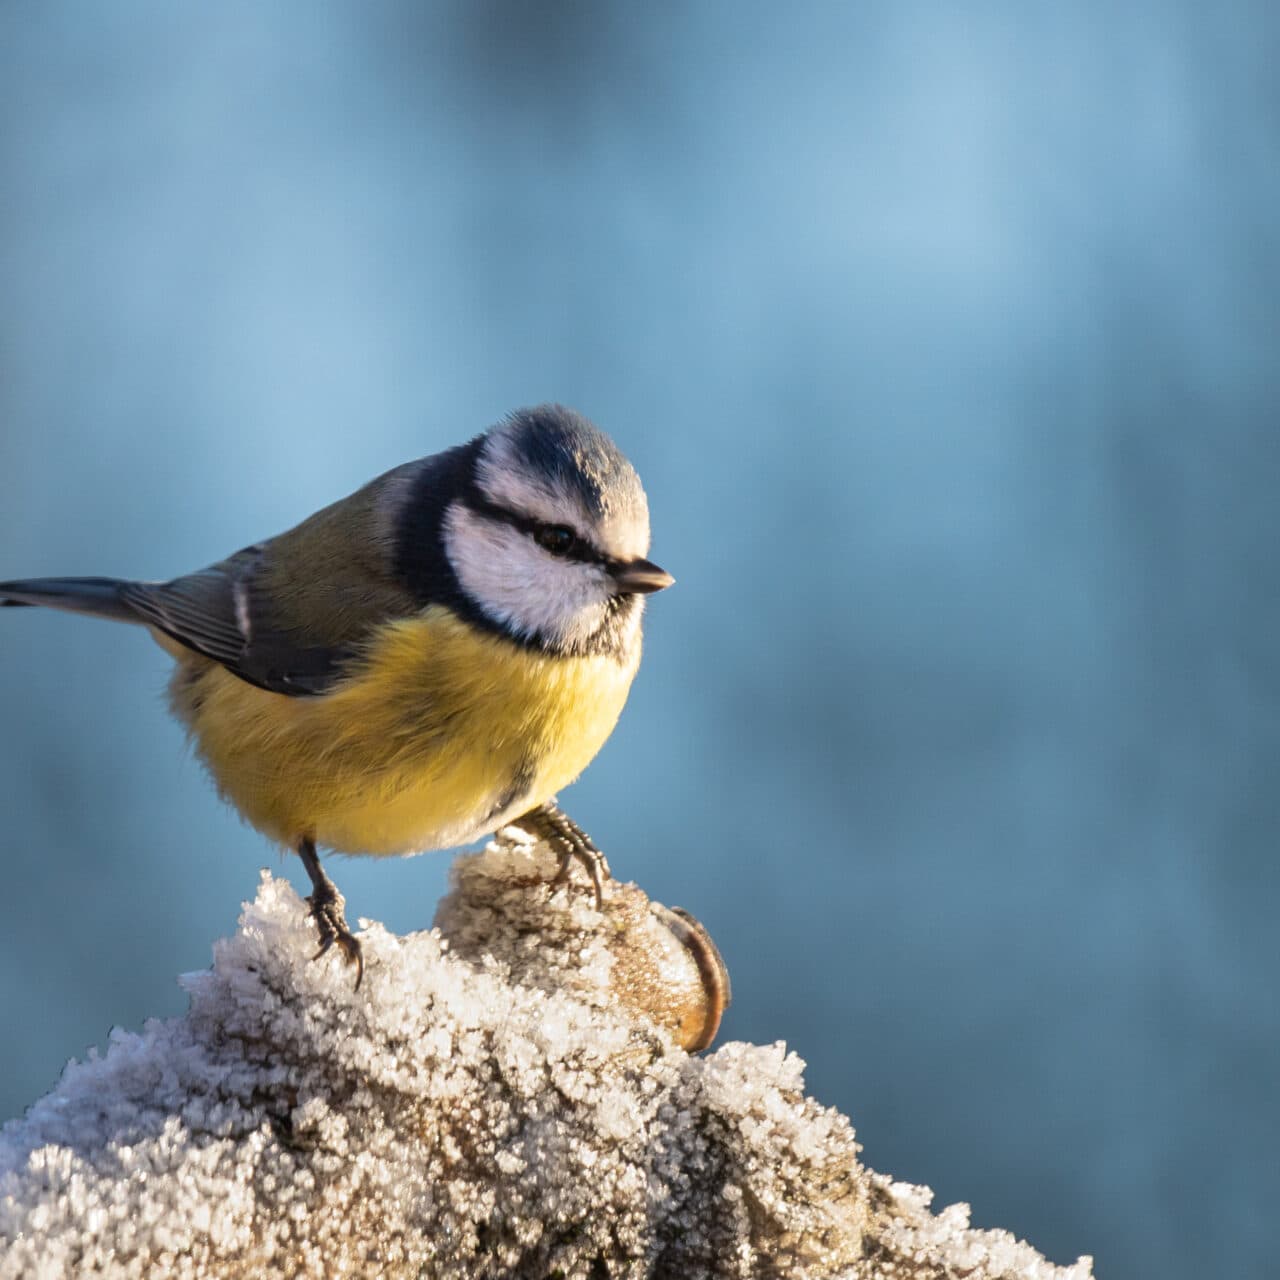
290,614
224,613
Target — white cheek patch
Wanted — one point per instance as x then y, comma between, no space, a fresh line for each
520,585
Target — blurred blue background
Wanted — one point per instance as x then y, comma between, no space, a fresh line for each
945,340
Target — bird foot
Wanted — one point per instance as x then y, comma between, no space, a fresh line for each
571,843
329,911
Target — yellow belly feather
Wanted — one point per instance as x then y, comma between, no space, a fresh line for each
415,749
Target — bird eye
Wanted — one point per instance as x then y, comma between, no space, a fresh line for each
556,538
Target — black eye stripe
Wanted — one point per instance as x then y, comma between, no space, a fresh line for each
579,549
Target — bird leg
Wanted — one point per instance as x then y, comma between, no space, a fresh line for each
328,910
547,822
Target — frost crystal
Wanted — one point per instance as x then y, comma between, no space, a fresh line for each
487,1104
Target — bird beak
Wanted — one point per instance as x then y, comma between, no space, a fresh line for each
640,577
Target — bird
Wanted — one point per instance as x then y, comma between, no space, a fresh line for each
424,662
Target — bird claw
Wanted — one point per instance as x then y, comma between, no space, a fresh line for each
592,860
329,911
571,843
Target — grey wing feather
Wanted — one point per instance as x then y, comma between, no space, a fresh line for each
217,613
198,610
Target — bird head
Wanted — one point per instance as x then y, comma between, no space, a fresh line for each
548,538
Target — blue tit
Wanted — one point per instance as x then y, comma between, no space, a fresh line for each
419,664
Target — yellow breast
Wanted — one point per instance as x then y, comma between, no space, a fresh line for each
441,735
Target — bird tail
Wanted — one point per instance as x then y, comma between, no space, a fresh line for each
100,597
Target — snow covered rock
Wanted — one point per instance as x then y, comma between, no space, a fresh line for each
504,1096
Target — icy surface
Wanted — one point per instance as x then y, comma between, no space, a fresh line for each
484,1106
